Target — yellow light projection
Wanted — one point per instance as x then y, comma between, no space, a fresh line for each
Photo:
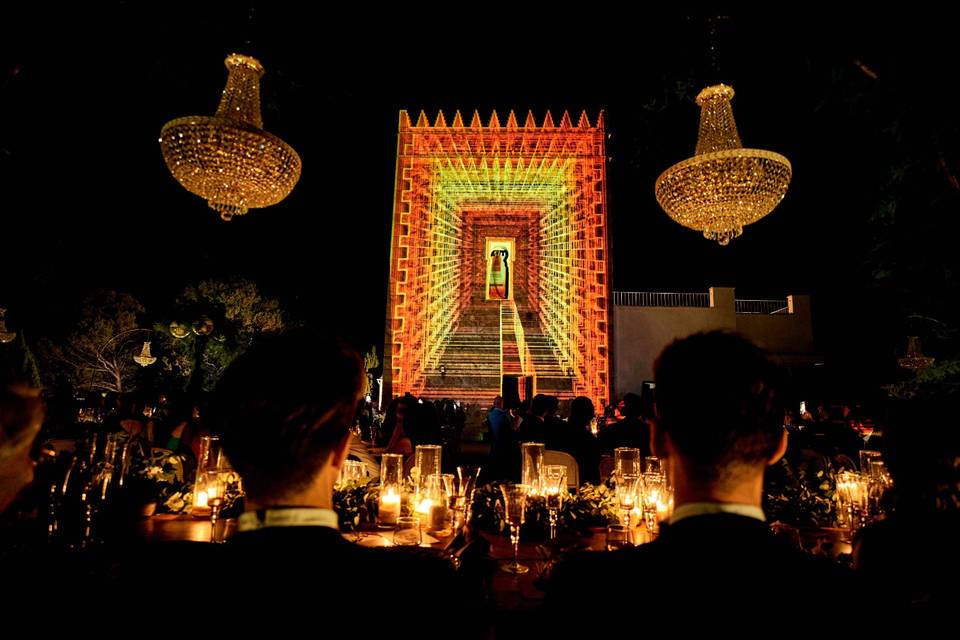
498,261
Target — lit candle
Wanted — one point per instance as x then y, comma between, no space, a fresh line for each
201,499
423,511
389,506
663,510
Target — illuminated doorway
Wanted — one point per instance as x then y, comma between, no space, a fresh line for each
499,253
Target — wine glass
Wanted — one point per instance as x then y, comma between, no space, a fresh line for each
514,507
627,490
653,495
468,476
554,486
215,490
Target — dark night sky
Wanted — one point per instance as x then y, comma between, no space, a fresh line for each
89,203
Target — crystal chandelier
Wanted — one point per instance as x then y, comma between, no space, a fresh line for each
5,336
723,187
144,359
914,359
228,158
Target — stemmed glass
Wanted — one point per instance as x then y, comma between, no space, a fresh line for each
468,476
215,490
853,494
554,486
627,489
514,507
653,495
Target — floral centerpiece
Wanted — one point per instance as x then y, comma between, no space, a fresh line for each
801,494
159,478
356,503
590,506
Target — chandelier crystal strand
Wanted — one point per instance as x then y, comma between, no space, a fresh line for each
229,159
723,187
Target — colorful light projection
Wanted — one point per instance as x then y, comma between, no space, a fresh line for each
519,211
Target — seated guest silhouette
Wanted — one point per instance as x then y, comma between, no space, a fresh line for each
632,431
21,412
715,563
282,411
912,559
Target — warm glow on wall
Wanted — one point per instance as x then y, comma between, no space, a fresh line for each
499,258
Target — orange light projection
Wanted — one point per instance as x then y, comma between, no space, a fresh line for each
498,262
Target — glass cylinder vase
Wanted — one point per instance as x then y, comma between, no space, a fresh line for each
210,459
391,488
532,465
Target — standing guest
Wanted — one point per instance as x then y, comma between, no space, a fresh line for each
504,443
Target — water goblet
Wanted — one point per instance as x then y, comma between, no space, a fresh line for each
215,490
554,487
514,508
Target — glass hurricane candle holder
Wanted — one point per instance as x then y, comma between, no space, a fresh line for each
391,488
532,456
210,457
626,460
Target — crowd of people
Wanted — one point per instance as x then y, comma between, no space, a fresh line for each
285,412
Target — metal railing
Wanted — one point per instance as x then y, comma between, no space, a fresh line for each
657,299
761,307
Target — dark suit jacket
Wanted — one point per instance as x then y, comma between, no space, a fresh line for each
705,572
629,432
286,579
911,562
317,568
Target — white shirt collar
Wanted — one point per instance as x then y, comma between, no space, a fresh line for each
709,508
292,517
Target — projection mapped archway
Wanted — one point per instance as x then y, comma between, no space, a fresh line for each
498,265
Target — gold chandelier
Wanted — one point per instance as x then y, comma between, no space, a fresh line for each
723,187
145,358
228,158
914,360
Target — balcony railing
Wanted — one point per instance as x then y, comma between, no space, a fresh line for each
762,307
697,301
657,299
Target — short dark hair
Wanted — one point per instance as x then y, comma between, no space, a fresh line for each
581,410
717,396
283,406
632,405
